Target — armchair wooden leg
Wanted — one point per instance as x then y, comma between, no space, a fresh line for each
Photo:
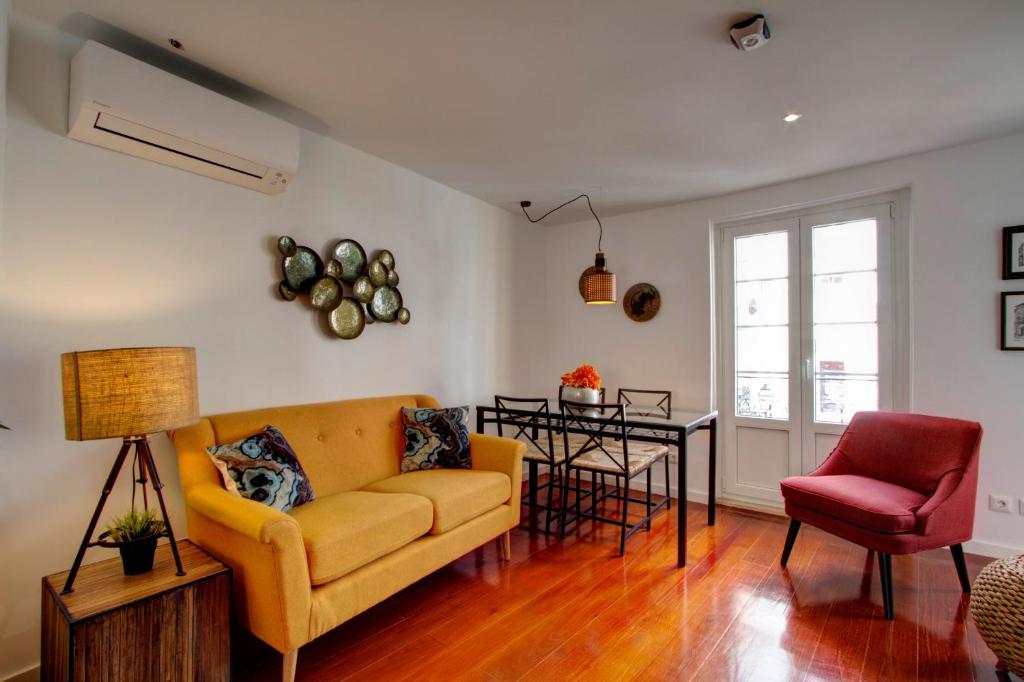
505,544
288,666
794,528
885,574
961,567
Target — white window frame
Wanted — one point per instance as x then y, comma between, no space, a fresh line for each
902,318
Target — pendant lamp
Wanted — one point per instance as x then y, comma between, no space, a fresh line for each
598,283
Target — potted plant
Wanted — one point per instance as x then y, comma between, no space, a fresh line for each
135,535
582,385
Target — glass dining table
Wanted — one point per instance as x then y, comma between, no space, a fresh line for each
651,424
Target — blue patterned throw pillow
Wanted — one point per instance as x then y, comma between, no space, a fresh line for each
263,468
436,439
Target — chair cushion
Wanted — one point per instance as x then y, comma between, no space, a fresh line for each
457,495
534,453
641,456
576,441
872,504
347,530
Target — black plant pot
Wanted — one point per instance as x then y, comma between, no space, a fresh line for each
136,555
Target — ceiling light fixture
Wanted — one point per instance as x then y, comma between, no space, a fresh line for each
792,118
751,33
598,282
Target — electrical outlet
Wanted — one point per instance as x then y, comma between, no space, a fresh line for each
999,503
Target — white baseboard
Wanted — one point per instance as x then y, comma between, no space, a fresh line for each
991,549
979,547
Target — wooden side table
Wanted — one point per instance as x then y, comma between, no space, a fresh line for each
154,626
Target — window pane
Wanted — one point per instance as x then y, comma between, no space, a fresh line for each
845,247
837,400
762,395
844,259
762,349
761,292
846,348
761,256
852,297
762,302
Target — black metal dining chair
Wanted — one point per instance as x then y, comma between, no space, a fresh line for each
649,403
542,448
605,449
576,437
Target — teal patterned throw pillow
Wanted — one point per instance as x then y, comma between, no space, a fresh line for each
263,468
435,439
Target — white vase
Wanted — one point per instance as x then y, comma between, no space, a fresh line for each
583,395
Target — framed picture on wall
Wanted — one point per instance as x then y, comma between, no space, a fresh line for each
1012,330
1013,252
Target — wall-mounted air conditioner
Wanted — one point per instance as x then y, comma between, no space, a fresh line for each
120,103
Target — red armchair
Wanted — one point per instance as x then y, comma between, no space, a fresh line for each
896,484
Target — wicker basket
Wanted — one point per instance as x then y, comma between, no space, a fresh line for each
997,603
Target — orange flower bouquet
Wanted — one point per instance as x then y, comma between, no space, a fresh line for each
583,376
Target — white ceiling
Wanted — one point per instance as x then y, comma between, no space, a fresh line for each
642,102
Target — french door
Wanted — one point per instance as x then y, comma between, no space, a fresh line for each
806,322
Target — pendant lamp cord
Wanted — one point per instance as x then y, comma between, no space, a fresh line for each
600,234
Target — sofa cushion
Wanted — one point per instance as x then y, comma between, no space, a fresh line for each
457,495
347,530
263,468
435,438
866,502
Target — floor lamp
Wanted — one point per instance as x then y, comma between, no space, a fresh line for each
128,393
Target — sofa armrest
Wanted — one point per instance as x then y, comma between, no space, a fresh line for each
251,519
264,547
494,453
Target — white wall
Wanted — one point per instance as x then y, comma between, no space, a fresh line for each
103,250
5,7
960,198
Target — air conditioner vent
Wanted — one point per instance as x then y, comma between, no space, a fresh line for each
154,115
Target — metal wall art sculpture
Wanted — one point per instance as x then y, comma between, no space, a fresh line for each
373,285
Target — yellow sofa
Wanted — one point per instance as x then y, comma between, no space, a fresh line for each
371,530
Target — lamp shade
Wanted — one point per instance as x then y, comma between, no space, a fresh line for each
128,391
599,284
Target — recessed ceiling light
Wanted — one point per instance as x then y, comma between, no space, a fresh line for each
790,118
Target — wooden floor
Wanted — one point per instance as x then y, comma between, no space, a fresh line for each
574,610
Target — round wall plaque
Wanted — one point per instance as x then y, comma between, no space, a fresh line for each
641,302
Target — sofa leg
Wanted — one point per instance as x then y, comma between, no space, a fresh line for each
885,574
794,528
505,544
288,666
961,567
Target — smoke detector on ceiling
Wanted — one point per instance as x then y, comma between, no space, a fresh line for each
751,33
